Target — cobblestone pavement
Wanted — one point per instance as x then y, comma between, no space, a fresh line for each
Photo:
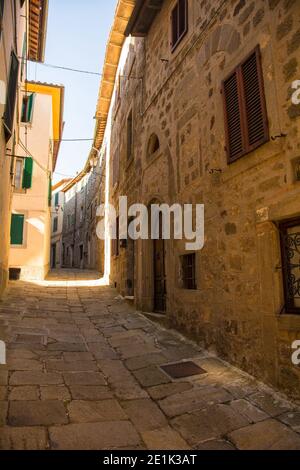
84,373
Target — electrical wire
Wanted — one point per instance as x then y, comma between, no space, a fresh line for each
86,72
71,69
73,140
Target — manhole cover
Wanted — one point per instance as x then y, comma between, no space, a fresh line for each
183,369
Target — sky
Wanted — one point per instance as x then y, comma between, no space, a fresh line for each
76,38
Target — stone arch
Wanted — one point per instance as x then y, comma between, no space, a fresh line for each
224,38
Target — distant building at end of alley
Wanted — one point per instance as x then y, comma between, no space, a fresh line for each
57,215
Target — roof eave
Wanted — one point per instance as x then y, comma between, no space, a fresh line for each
142,17
37,29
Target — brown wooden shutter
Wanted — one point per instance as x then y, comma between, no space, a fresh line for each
233,118
255,105
246,122
8,118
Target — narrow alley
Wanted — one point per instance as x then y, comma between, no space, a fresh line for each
84,372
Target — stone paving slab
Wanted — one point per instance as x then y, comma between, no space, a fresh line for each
94,436
266,435
84,373
32,438
37,413
95,411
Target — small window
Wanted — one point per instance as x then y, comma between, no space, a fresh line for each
56,199
188,264
27,108
116,241
246,122
153,145
290,252
179,22
129,136
19,168
17,229
9,113
81,213
55,224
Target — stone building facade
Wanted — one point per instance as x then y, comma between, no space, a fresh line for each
57,216
176,93
81,248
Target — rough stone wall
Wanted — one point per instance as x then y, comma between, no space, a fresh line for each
81,208
94,247
236,307
68,232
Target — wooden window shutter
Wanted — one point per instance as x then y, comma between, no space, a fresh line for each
233,117
255,105
50,192
16,230
246,122
9,113
27,173
1,15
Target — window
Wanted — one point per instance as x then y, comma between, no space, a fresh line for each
27,108
129,136
17,229
179,22
56,199
290,252
18,174
246,122
55,224
188,264
153,145
27,173
8,118
81,213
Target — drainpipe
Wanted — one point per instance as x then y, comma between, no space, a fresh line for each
75,223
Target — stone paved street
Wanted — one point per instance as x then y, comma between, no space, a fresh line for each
84,372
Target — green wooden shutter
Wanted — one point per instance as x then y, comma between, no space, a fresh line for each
56,199
16,230
30,107
27,173
50,192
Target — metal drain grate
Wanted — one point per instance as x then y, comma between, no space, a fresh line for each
183,369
